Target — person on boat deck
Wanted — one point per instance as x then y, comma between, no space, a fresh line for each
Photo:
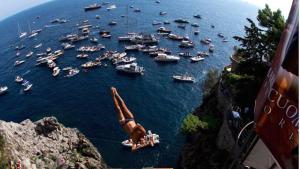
136,132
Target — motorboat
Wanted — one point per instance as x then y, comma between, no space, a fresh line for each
225,40
27,85
82,56
41,54
106,35
112,23
156,23
186,54
51,64
203,53
221,35
196,32
91,48
197,58
56,71
212,26
162,13
19,62
167,22
91,64
67,46
206,41
148,137
20,47
48,50
163,30
92,7
117,55
211,48
195,25
184,78
85,31
21,34
19,79
125,60
131,68
181,26
136,10
162,57
3,90
186,44
72,72
175,37
94,40
198,16
58,20
133,47
29,54
180,20
38,45
111,7
145,39
97,16
18,53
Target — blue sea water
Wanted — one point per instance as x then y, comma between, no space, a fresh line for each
84,101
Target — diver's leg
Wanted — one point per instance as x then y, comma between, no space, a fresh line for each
126,112
117,106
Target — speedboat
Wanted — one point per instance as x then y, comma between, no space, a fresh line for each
51,63
221,35
195,25
211,48
72,72
163,30
82,56
111,7
19,79
91,64
162,57
225,40
18,53
186,44
167,22
97,17
155,137
124,60
48,50
206,41
196,32
197,16
94,40
133,47
175,37
29,54
131,68
203,53
27,85
3,90
112,23
180,20
67,46
137,10
186,54
162,13
38,45
92,7
156,23
19,62
106,35
184,78
56,71
197,58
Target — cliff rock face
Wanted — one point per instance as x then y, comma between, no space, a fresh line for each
46,144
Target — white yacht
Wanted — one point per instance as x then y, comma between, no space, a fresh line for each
131,68
38,45
162,57
19,62
27,85
72,72
197,58
29,54
184,78
67,46
19,79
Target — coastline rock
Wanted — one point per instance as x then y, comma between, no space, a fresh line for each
46,144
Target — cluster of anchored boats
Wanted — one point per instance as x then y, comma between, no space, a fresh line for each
133,42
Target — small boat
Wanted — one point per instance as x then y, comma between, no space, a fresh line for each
225,40
19,79
163,30
195,25
184,78
156,23
92,7
38,45
94,40
124,60
181,26
19,62
91,64
29,54
72,72
131,6
48,50
206,41
18,53
67,68
56,71
198,16
51,64
27,85
106,35
131,68
157,1
186,44
186,54
180,20
197,58
3,90
196,32
112,23
67,46
167,22
155,137
97,17
137,10
221,35
175,37
211,48
21,34
20,47
133,47
111,7
162,13
82,56
212,26
162,57
41,54
203,54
